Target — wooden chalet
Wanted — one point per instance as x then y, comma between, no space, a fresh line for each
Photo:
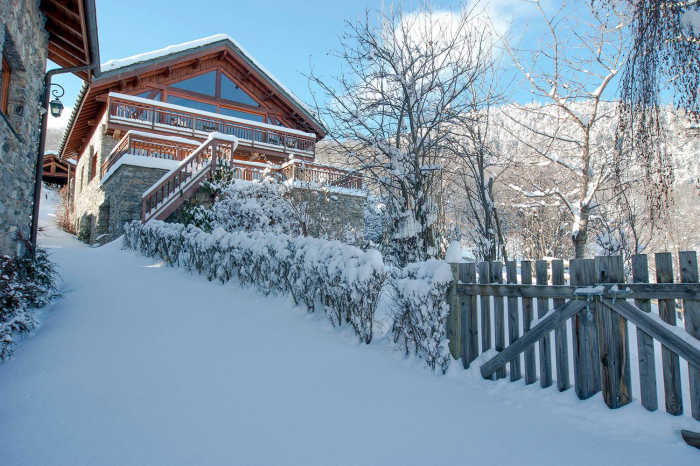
168,103
57,171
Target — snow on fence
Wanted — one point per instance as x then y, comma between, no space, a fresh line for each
346,281
595,347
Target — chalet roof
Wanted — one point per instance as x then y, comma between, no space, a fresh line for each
72,28
126,67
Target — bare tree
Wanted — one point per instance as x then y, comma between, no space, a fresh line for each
571,69
396,105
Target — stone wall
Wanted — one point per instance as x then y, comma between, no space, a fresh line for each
332,215
123,192
24,44
90,213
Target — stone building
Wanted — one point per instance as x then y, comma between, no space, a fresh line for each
153,127
32,32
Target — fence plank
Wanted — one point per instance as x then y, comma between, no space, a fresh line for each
645,343
585,334
484,278
454,316
554,319
613,339
669,359
499,315
529,355
561,340
688,261
470,319
513,321
545,346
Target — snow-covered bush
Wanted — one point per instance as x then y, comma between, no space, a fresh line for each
247,206
26,282
420,310
344,280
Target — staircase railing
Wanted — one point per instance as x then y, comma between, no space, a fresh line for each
176,186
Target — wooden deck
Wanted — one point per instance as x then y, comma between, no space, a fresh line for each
126,112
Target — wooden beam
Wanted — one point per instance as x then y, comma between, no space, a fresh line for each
636,290
61,19
197,62
552,320
268,96
691,438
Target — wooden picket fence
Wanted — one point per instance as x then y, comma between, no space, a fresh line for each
598,303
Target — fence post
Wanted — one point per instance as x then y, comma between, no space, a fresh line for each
513,322
613,339
470,319
584,333
484,279
561,340
529,354
499,315
454,315
645,343
671,365
545,346
688,261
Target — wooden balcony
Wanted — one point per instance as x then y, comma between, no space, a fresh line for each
137,113
143,144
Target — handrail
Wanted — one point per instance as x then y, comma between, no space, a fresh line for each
153,115
187,175
147,147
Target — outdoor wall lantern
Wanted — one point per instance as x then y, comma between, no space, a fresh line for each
56,106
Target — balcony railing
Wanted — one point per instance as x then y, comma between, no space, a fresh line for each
140,144
143,113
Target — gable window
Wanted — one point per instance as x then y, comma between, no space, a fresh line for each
153,95
239,114
230,91
176,100
4,85
202,84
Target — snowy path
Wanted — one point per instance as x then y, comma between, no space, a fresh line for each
145,365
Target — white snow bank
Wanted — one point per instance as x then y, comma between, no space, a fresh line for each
140,161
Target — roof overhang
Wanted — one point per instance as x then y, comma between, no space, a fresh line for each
72,28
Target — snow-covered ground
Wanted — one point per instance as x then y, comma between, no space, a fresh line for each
145,365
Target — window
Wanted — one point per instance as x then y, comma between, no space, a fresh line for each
230,91
173,99
93,166
145,95
4,85
240,114
203,84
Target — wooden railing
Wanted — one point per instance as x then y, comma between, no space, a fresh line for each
181,120
146,146
322,175
180,184
597,303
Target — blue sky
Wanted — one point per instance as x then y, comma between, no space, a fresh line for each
286,37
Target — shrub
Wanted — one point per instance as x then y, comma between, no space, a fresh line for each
26,282
420,311
344,280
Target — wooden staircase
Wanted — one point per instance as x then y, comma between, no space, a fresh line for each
181,183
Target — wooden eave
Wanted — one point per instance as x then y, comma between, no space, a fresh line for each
136,79
71,32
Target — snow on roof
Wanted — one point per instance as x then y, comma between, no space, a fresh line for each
112,65
50,152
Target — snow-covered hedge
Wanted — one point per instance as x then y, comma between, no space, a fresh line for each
420,310
26,282
344,280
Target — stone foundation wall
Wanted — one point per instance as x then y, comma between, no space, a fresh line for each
123,191
332,215
24,44
90,213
